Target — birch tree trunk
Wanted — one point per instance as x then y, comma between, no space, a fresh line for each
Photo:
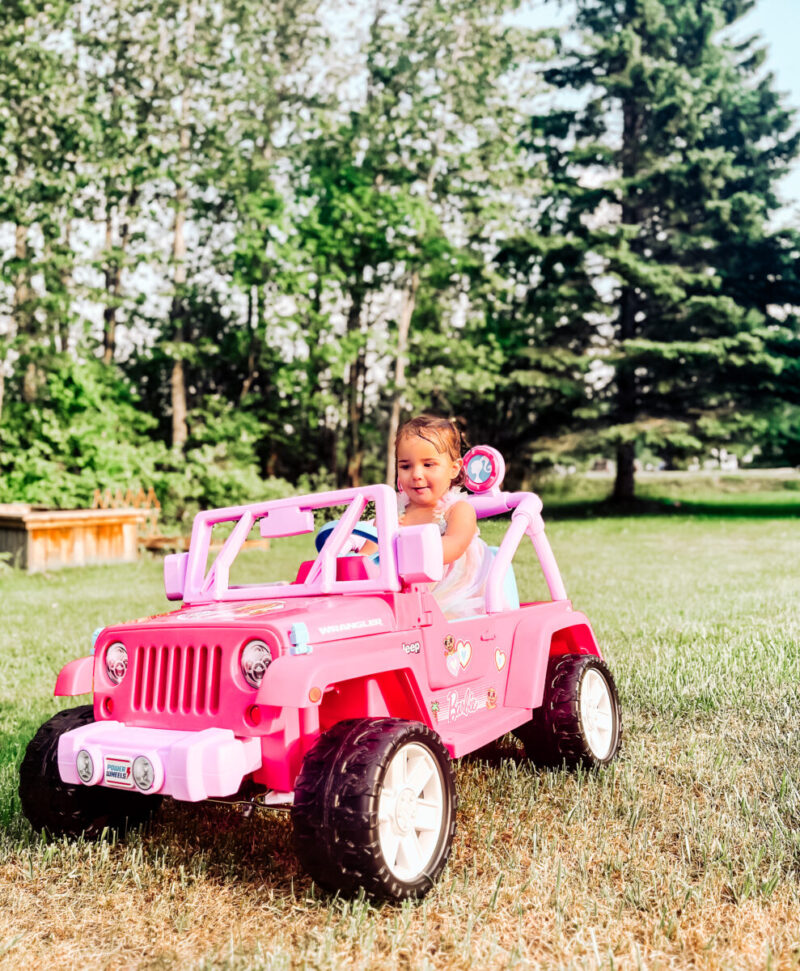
180,431
21,289
403,330
177,383
354,451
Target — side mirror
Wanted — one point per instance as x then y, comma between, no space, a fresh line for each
175,575
420,558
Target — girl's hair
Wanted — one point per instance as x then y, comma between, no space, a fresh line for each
442,433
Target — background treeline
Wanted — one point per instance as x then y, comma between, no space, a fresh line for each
240,241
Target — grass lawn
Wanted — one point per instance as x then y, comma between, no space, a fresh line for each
686,853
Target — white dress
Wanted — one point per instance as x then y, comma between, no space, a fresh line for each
462,590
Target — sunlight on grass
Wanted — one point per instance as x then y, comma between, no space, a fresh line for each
686,852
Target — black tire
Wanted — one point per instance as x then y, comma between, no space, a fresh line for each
58,808
579,722
338,835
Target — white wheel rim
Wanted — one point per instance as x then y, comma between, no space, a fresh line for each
411,811
597,714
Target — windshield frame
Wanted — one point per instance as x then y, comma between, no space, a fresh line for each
210,581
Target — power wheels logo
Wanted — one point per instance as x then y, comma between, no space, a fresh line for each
118,773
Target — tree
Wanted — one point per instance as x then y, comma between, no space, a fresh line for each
41,142
661,185
121,163
268,101
411,191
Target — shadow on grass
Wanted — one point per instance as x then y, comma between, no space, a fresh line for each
610,508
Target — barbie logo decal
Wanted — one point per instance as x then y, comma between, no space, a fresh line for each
458,705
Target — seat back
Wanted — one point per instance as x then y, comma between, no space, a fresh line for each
510,591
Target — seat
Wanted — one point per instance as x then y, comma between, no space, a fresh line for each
347,568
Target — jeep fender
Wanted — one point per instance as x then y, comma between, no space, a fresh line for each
534,642
75,678
300,680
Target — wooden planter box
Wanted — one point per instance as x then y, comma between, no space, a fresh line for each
47,539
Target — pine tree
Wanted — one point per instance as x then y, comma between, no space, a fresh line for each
661,186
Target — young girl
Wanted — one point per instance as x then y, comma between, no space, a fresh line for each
429,473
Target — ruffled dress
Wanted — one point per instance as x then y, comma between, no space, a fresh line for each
462,590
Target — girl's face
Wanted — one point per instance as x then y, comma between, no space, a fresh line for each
424,473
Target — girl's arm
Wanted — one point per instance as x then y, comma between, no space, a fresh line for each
462,524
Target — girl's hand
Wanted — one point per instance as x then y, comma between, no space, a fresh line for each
462,524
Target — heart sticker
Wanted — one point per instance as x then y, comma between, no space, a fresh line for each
464,652
500,659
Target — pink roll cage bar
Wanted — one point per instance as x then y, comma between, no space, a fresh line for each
186,576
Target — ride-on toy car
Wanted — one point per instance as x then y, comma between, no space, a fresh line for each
343,694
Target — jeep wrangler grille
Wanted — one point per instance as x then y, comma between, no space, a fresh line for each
177,679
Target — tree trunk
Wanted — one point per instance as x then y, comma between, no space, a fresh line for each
629,306
403,328
625,482
253,324
110,310
333,455
180,431
354,453
65,282
177,383
22,315
113,275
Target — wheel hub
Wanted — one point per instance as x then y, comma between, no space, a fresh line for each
405,810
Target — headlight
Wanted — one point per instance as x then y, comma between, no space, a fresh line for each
116,662
256,658
84,765
144,774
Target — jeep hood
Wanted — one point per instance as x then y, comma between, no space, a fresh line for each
325,618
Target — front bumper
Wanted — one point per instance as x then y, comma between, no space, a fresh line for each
186,765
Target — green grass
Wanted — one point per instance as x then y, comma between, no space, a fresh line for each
686,853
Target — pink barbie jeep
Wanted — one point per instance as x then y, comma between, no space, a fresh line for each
343,695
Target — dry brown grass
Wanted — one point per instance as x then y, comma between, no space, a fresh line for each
685,854
686,863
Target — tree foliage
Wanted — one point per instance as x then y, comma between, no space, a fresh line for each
241,241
